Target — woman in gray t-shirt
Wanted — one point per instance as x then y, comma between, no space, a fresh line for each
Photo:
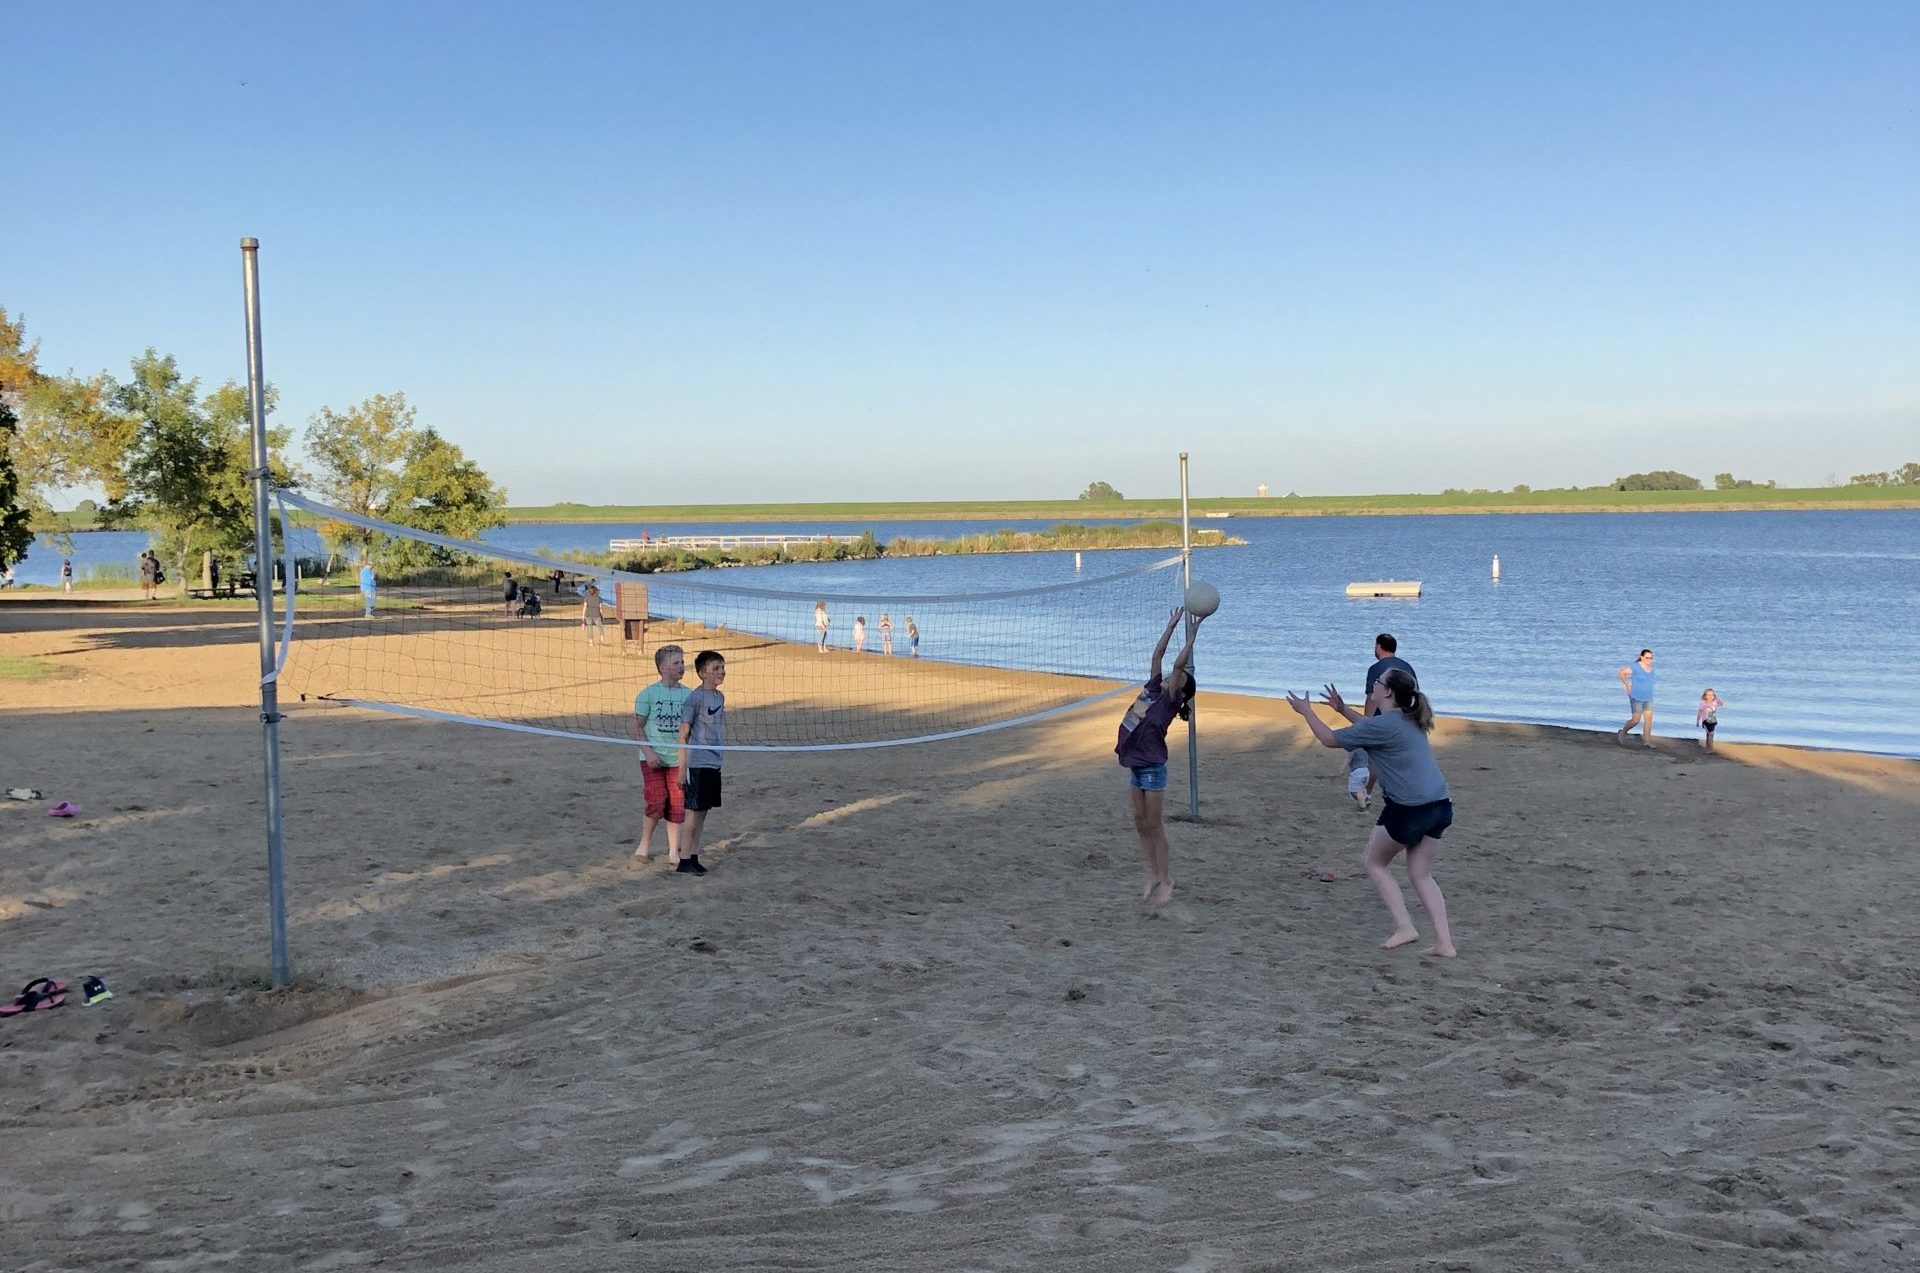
1417,808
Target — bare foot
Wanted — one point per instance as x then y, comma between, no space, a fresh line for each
1405,937
1440,952
1162,894
673,859
641,855
1146,885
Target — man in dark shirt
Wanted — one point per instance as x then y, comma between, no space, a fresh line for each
1384,657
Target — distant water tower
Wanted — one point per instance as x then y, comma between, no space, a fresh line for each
1262,490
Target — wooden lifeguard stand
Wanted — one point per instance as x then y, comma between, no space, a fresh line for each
630,607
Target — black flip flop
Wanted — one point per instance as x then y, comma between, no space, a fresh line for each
42,994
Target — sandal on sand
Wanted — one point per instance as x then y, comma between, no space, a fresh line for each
42,994
65,809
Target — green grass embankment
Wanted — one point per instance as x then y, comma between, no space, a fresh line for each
1589,500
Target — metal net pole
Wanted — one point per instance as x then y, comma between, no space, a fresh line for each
263,592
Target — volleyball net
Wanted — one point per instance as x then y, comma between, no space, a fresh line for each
473,633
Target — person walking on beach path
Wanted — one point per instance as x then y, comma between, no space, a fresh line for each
886,635
1707,716
1637,679
1142,750
367,587
590,617
1415,808
149,574
66,574
820,625
511,592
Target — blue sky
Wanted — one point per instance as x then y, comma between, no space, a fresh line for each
777,251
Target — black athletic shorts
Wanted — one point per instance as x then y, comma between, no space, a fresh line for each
1408,824
702,789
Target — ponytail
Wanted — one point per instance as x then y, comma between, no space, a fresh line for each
1408,697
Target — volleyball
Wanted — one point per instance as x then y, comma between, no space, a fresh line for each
1202,599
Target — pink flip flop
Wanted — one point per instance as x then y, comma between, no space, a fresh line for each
65,809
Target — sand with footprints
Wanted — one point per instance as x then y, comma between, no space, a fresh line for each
915,1017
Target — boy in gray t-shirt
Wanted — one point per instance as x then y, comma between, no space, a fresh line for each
703,733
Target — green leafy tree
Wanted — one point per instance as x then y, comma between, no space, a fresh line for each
1908,475
1100,491
184,477
357,456
1870,479
71,434
1658,480
17,371
374,461
16,519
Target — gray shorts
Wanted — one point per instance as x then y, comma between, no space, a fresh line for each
1640,706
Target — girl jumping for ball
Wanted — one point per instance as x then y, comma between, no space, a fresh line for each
1142,750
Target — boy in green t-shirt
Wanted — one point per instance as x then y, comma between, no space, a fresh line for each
658,709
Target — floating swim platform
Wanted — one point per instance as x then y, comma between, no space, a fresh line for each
1385,588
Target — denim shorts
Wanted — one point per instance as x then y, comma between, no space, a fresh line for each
1639,706
1148,778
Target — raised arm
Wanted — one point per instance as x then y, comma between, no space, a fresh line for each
1177,678
1332,699
1302,704
1160,649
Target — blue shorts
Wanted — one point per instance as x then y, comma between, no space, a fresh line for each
1639,706
1148,778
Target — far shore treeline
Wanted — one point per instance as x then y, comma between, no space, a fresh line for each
174,461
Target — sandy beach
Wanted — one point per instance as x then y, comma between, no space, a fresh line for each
915,1017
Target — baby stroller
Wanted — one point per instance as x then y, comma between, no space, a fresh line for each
529,607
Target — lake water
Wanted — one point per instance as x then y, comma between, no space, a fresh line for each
1806,623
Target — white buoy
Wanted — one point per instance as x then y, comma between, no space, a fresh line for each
1496,565
1076,561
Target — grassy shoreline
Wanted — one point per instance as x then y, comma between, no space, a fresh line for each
1602,500
1590,500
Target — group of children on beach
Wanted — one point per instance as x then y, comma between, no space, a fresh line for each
823,626
682,731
